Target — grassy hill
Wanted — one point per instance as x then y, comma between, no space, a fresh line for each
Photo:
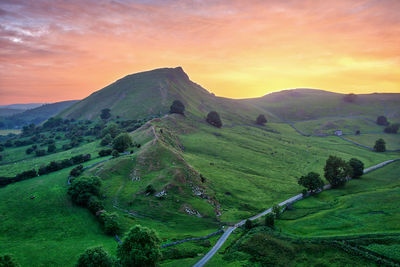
203,177
35,115
5,112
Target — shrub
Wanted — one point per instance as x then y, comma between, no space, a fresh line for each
51,148
115,154
380,145
336,171
248,224
141,247
358,132
105,152
392,128
8,261
95,204
40,152
270,220
106,140
357,167
83,188
1,148
150,189
122,142
111,129
312,181
261,120
26,174
75,172
276,210
214,119
95,257
1,157
350,98
105,114
382,120
29,151
110,223
177,107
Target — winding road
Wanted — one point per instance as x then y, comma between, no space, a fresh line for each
298,197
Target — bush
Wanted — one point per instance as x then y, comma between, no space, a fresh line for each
336,171
150,189
270,220
382,120
392,128
51,148
8,261
83,188
141,247
357,167
350,98
312,181
358,132
276,210
248,224
122,142
29,151
214,119
115,154
177,107
26,174
95,257
111,129
261,120
40,152
105,114
380,145
95,204
110,223
106,140
105,152
75,172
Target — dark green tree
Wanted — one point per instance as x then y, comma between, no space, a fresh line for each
112,129
382,120
122,142
110,223
248,224
105,114
107,139
357,167
276,210
312,181
95,257
83,188
177,107
261,120
380,145
8,261
141,247
95,204
270,220
392,128
214,119
51,148
336,171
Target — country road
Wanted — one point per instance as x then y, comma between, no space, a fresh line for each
298,197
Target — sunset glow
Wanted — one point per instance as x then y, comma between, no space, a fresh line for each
60,50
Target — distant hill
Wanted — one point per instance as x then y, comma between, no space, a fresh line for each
152,92
23,106
5,112
35,115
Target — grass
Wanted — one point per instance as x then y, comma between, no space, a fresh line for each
392,140
364,206
47,230
7,132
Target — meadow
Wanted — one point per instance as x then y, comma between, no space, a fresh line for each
392,140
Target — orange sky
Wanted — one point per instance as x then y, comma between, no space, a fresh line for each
59,50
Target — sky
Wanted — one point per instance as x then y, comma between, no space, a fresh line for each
61,50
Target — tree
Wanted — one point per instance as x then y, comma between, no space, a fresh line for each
382,120
122,142
177,107
358,132
350,98
95,257
270,220
110,223
392,128
107,139
112,129
141,247
51,148
115,154
312,181
94,204
105,114
357,167
276,210
8,261
248,224
336,171
40,152
380,145
261,120
214,119
83,188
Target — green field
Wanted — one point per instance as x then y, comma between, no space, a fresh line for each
7,132
392,140
364,206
